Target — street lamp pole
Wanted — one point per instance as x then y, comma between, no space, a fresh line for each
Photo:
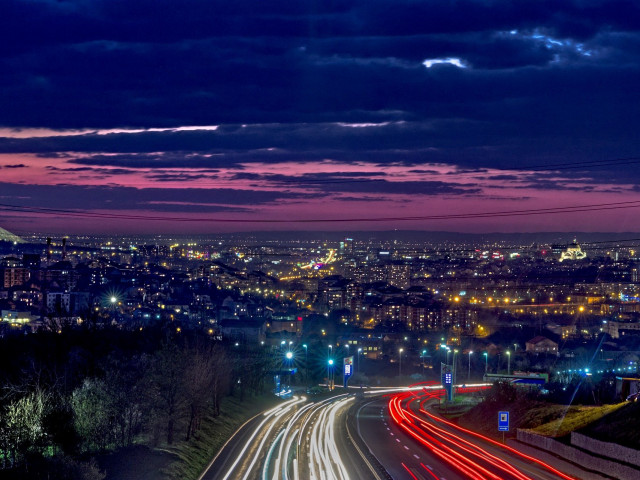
400,364
469,372
330,373
306,362
455,369
486,362
358,360
508,362
289,357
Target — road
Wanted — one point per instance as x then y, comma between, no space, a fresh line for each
376,438
301,439
394,449
411,443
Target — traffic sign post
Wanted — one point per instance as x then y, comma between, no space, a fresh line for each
446,373
503,423
347,369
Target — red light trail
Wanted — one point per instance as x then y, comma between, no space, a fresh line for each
465,456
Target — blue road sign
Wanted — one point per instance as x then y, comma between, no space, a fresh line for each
446,373
503,421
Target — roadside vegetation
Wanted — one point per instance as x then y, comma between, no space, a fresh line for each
621,426
72,396
575,419
527,409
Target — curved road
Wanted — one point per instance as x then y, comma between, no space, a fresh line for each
343,437
297,440
412,443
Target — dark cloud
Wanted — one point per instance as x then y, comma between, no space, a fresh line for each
511,85
116,197
503,177
105,64
179,177
103,171
339,183
17,165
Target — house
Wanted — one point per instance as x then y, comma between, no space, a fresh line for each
246,329
541,344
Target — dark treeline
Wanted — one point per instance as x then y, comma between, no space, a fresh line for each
68,395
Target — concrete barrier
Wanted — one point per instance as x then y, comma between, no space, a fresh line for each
610,468
562,465
606,449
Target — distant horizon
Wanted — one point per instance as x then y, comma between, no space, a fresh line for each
384,235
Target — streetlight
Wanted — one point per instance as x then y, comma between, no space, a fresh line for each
306,362
358,360
400,364
424,352
486,362
455,369
289,357
330,373
469,372
508,362
448,352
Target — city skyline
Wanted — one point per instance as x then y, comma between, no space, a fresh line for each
213,118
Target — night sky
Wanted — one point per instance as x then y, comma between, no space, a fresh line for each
211,116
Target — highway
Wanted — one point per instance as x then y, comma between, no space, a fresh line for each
379,438
412,443
300,439
397,453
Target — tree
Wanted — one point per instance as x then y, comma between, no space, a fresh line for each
93,414
198,381
166,387
221,376
21,427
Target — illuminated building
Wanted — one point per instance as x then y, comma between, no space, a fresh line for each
573,252
13,273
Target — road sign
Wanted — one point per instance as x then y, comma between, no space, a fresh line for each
503,421
348,369
446,374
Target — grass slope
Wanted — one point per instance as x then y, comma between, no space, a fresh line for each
575,419
622,426
195,455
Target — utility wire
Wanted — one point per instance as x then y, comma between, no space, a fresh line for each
504,213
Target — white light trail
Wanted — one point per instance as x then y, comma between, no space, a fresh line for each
274,412
326,462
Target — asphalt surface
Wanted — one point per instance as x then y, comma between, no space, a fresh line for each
393,448
403,457
344,438
303,440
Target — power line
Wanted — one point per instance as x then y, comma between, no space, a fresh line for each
495,214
